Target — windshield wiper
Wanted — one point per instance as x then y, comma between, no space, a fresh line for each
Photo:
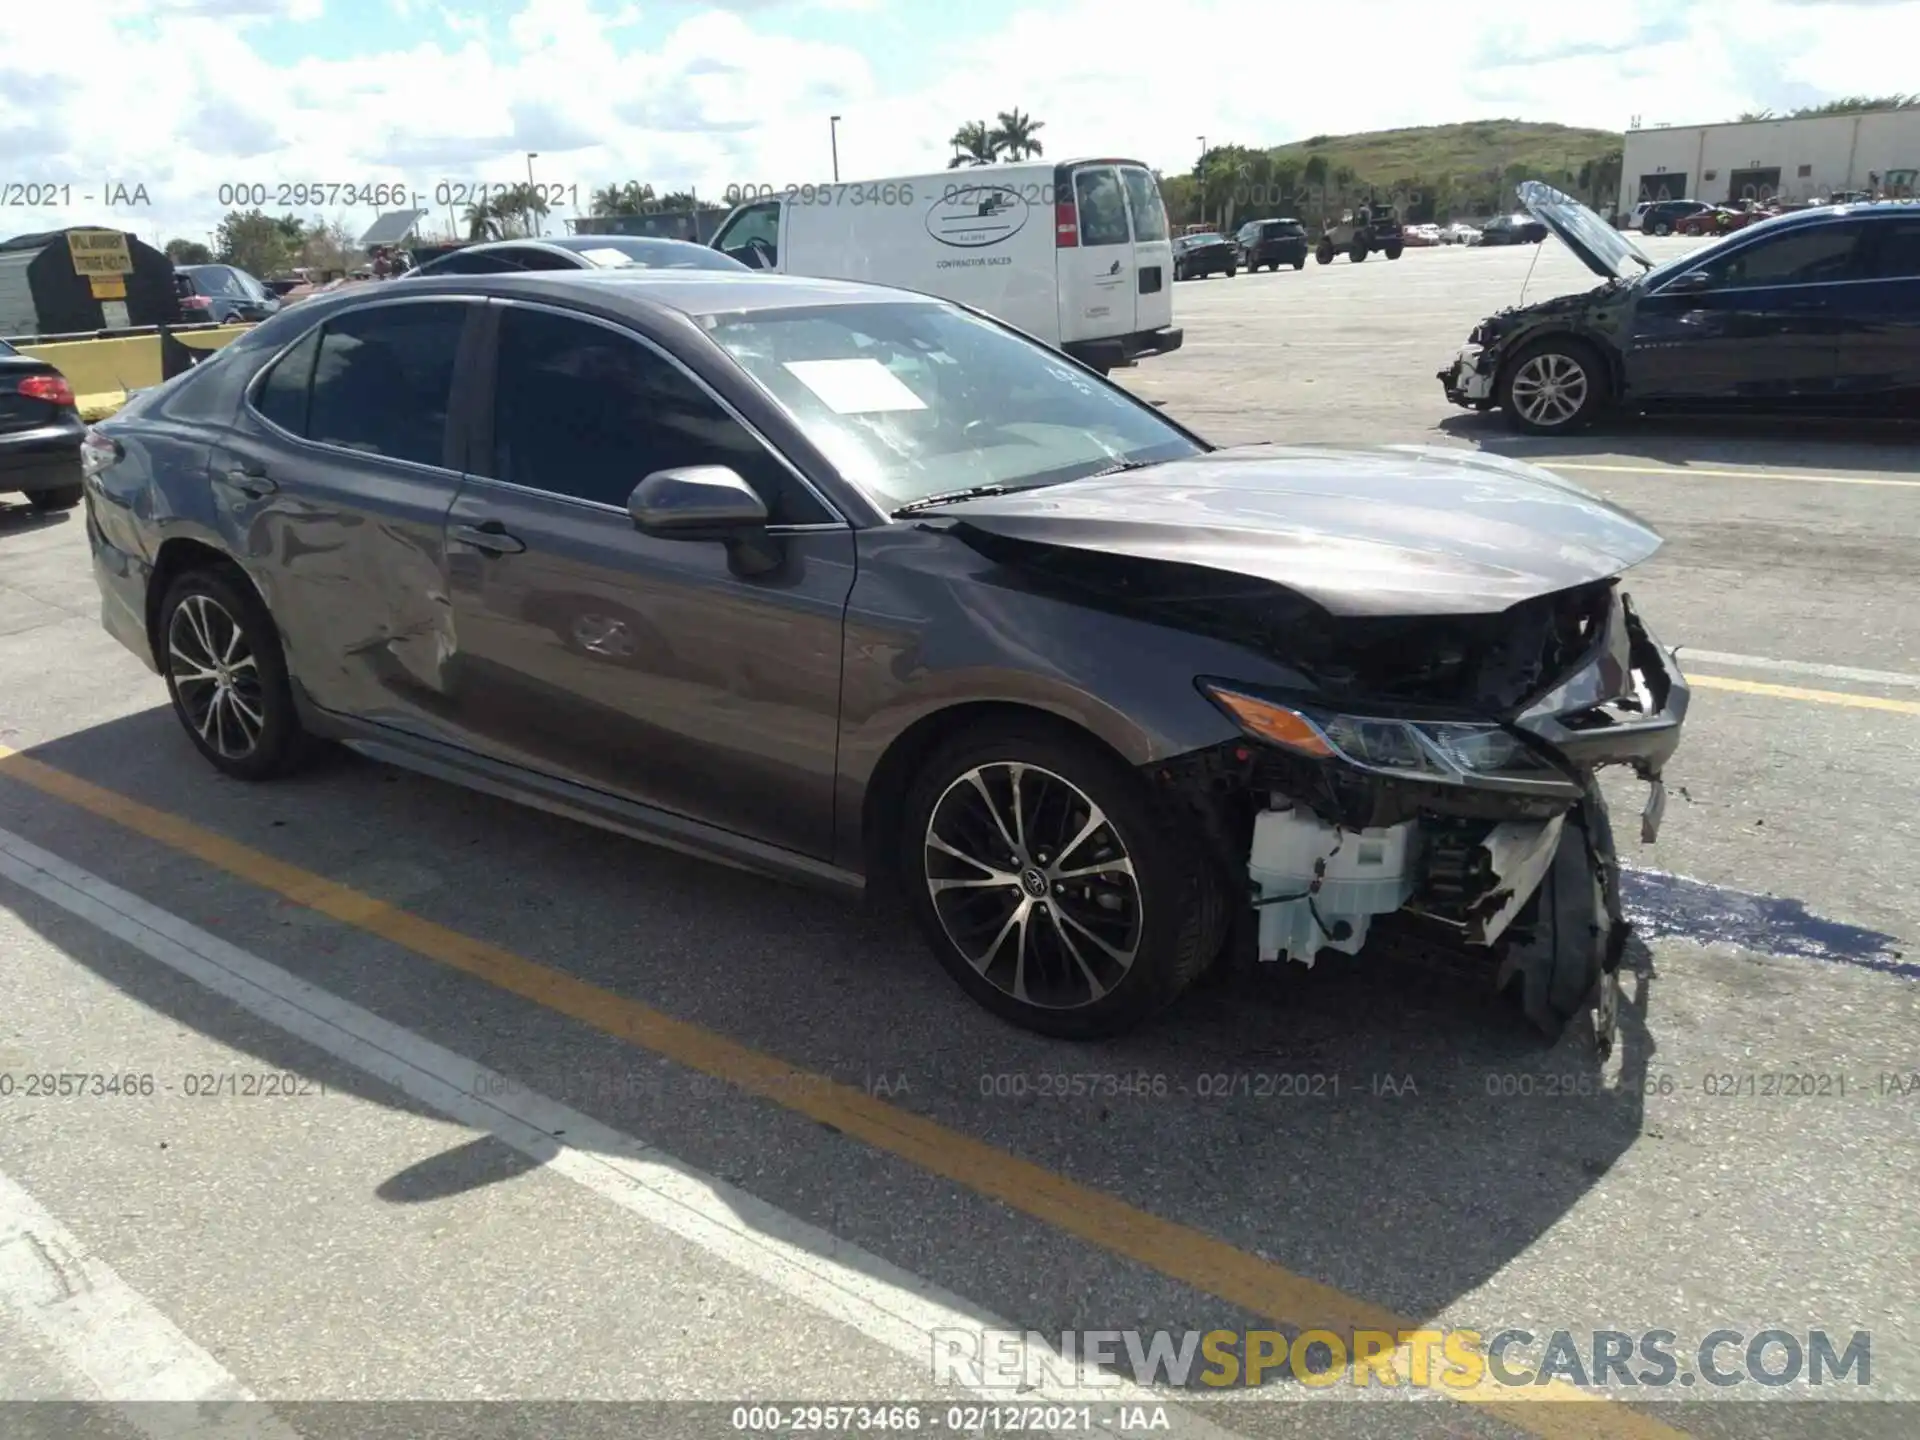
947,497
1122,467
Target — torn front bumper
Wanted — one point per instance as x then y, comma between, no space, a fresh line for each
1469,379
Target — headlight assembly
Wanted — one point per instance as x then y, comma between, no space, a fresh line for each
1445,751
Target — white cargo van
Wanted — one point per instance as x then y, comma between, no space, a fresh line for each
1075,254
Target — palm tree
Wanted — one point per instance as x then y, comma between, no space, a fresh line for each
631,198
1013,136
975,144
482,221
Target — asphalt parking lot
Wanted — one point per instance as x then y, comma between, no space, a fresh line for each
453,1101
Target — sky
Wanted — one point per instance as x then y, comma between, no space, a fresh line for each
169,100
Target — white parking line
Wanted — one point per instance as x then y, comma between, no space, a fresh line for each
1693,472
1797,667
122,1349
883,1302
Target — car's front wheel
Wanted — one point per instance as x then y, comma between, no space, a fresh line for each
1048,884
1392,252
227,675
1324,254
1552,387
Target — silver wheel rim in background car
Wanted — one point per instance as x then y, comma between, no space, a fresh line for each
1033,885
1549,389
215,677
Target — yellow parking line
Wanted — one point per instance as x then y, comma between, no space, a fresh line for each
1692,471
1795,692
1177,1251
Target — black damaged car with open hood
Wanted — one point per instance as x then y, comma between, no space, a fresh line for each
1813,312
855,586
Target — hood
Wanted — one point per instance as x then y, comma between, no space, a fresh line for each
1377,530
1604,250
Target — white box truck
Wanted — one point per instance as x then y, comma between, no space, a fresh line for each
1075,254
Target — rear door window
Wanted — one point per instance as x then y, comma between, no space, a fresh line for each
1144,205
1103,207
1896,251
383,379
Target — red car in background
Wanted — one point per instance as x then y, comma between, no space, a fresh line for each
1723,219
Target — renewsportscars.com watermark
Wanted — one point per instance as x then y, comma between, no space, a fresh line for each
1438,1359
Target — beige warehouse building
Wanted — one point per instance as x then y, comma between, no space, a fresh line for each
1803,159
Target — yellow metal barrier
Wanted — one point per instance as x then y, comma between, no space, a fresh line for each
103,371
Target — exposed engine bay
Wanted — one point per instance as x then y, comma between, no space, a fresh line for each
1445,668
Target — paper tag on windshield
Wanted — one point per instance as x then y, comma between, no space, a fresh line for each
856,386
608,257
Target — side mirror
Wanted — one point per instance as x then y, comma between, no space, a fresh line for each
696,502
1691,281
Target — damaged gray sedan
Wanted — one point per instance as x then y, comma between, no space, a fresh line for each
862,588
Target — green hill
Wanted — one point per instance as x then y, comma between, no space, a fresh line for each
1430,171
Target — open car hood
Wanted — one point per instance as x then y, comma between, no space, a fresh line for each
1605,251
1376,530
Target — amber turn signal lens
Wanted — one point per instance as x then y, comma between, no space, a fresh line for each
1274,722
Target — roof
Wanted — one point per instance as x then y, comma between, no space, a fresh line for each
691,292
392,227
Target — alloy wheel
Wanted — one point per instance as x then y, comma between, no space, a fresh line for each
216,677
1549,389
1033,885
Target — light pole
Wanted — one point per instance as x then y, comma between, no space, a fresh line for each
533,215
833,136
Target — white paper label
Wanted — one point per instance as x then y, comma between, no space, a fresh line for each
608,257
856,386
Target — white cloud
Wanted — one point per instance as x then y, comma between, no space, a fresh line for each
174,93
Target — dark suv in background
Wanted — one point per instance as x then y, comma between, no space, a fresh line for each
1204,254
222,293
1272,243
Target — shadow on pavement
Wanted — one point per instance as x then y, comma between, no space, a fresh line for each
1377,1126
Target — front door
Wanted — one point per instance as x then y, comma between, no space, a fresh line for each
656,670
1761,329
1098,284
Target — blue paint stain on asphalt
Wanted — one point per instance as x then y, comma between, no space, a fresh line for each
1662,905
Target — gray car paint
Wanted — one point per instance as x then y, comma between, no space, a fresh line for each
771,744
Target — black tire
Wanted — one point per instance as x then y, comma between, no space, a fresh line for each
1170,907
1662,228
1392,252
1544,361
1560,944
56,497
278,745
1231,272
1301,263
1358,253
1324,254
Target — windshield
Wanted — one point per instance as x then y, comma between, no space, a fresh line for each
911,400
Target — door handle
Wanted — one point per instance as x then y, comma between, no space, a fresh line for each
490,538
251,480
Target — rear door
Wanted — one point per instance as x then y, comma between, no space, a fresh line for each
1094,254
1879,360
336,478
1152,249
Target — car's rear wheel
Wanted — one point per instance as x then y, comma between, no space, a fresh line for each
55,497
1231,272
1301,263
1663,228
1359,252
1392,252
1553,386
227,674
1049,885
